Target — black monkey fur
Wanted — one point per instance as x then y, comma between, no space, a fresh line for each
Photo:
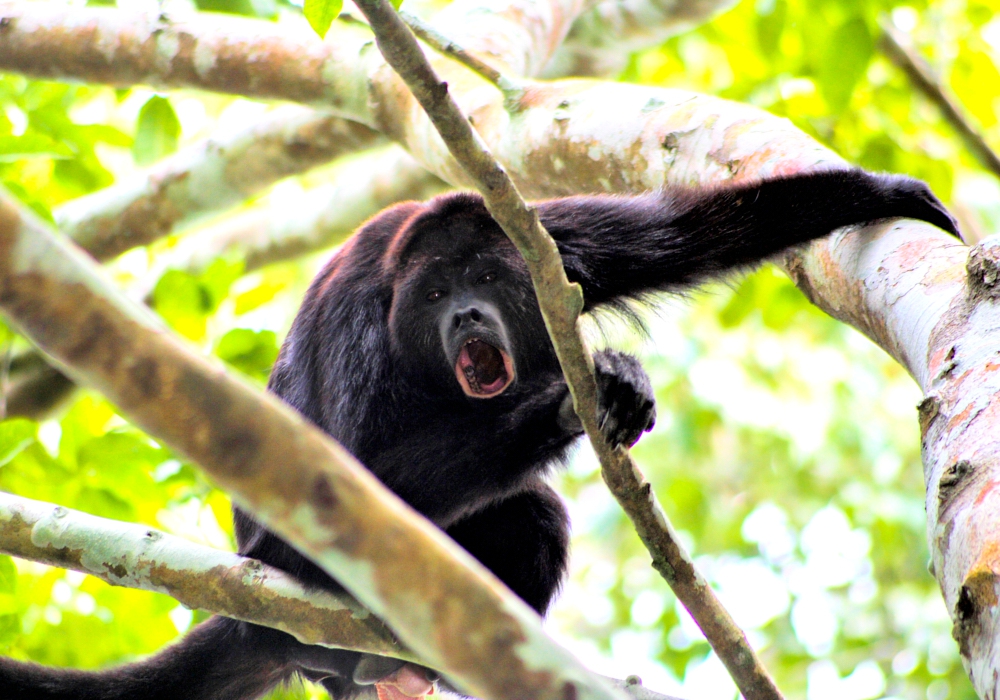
421,349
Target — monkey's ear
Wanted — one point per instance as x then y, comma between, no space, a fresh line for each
402,240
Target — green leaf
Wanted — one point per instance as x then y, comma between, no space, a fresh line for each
218,277
321,13
26,198
848,53
156,131
185,301
770,25
256,297
182,302
8,575
266,9
251,352
31,145
15,435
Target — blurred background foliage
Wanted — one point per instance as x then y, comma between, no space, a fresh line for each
786,449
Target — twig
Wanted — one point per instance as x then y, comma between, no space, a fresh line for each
894,46
442,44
561,304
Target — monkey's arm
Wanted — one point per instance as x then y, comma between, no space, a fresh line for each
621,247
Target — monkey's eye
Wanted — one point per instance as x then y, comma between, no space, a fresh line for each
435,295
487,278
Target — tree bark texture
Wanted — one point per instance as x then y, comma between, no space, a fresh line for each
931,303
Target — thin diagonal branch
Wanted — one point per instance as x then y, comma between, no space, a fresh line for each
895,47
561,304
442,44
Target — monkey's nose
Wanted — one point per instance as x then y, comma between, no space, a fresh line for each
465,316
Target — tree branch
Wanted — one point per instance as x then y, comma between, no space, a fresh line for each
602,39
213,175
894,46
445,606
446,46
930,302
561,304
201,578
324,217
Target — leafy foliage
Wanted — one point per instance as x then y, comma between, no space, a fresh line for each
786,448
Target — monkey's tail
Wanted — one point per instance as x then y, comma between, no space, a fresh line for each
220,659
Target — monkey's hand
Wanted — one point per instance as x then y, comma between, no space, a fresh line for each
913,199
625,404
395,679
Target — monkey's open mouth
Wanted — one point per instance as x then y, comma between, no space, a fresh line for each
483,370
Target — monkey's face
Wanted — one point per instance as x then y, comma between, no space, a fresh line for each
463,313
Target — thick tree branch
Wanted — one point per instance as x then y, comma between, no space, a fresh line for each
895,47
931,303
440,602
561,304
201,578
324,217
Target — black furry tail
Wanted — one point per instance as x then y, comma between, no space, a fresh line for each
220,659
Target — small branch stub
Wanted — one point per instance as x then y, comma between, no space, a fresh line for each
983,268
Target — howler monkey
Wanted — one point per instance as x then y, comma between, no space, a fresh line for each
420,347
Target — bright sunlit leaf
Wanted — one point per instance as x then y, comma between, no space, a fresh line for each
156,132
321,13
